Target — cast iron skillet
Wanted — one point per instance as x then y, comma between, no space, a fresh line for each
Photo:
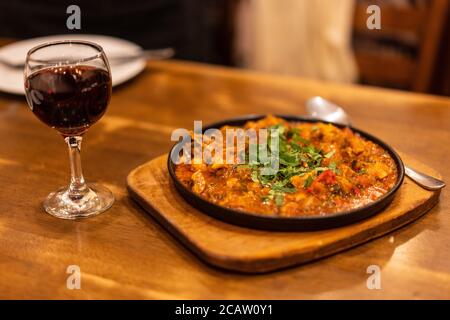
276,223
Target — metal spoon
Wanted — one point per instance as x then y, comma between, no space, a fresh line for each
322,109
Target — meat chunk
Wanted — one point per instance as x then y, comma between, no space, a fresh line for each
199,182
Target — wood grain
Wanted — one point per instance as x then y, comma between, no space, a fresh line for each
124,253
255,251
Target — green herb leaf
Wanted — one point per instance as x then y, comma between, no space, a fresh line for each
279,199
329,154
308,182
254,176
284,189
333,167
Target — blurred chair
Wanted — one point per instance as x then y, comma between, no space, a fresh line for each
403,53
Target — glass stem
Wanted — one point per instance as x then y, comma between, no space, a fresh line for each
77,187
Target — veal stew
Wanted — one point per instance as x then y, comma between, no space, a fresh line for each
322,169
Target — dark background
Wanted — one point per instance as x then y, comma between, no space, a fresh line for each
194,28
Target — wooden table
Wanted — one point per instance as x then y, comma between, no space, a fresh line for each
124,253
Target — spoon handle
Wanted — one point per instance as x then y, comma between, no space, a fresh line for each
424,180
154,54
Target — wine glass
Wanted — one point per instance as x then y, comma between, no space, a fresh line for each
68,87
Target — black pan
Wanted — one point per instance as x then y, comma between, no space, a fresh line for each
276,223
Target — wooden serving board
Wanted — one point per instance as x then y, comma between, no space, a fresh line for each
255,251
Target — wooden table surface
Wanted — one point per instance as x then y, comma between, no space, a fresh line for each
124,253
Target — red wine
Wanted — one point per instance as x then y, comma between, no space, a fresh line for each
69,99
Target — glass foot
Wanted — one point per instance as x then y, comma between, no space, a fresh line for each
95,201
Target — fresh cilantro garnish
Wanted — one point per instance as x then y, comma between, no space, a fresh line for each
308,182
329,154
279,199
297,157
333,167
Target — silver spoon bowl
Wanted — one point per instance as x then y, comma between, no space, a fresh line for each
322,109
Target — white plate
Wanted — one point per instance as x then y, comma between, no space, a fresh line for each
11,80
